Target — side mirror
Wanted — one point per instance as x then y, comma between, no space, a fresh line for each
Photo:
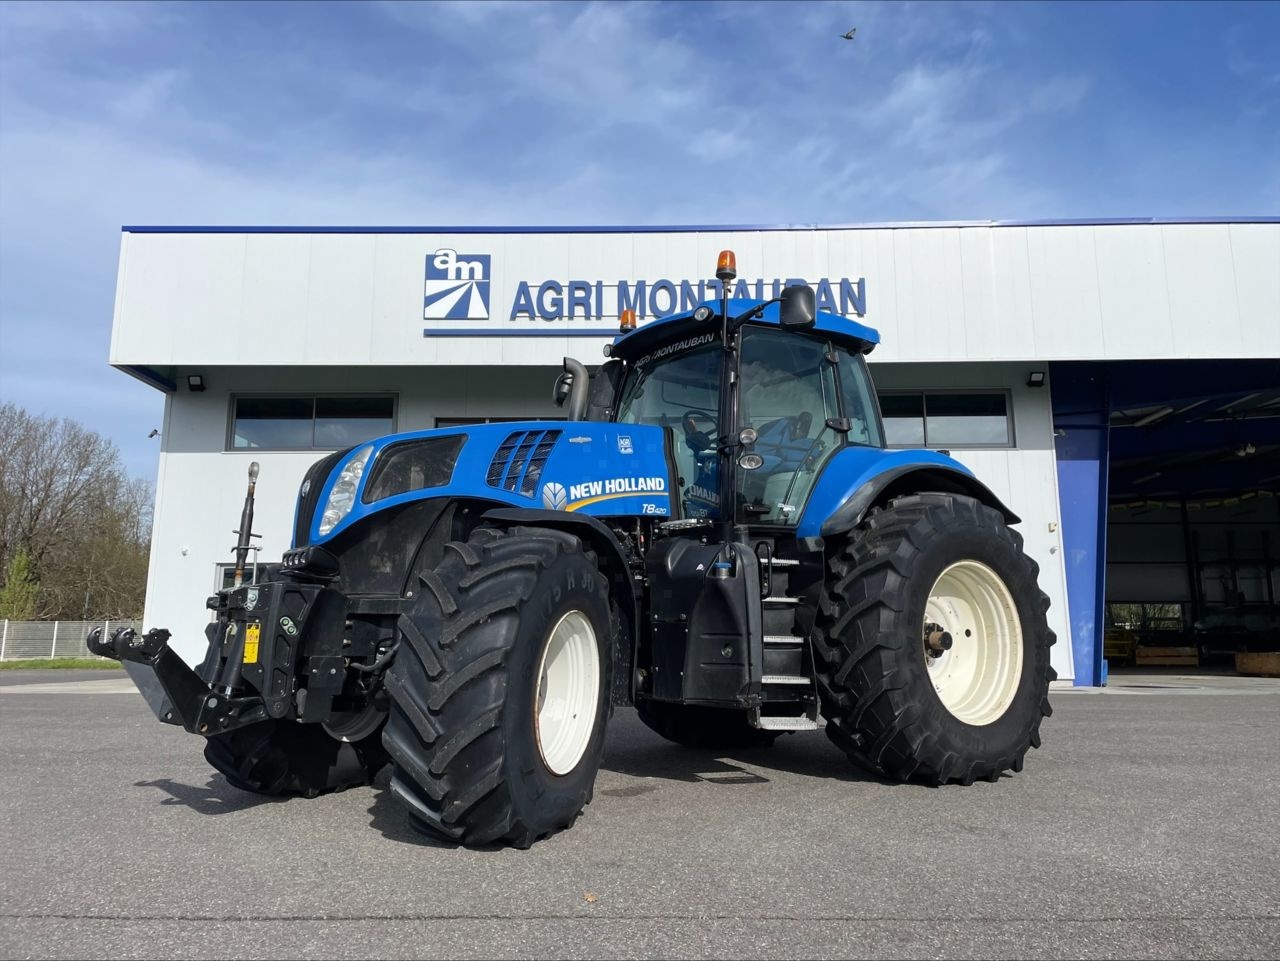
799,307
571,389
604,390
560,392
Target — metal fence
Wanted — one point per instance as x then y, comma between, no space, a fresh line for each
21,640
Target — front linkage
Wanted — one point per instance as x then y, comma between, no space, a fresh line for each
255,669
248,675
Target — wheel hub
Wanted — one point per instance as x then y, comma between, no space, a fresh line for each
936,641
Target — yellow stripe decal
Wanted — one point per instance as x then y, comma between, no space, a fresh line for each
608,497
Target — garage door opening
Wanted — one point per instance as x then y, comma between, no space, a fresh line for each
1186,556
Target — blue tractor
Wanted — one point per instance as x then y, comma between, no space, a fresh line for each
715,534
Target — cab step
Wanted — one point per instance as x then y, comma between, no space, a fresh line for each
801,723
785,679
782,640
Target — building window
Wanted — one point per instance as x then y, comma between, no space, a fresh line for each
225,578
468,421
935,418
309,422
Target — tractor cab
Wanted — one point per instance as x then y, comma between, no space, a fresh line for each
754,403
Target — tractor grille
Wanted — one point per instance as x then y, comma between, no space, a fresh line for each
518,462
314,480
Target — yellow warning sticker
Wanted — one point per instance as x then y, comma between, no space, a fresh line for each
251,632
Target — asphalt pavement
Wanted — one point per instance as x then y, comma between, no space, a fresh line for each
1146,827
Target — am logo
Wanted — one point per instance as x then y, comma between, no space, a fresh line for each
457,286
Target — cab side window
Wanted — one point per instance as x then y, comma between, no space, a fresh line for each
787,393
859,399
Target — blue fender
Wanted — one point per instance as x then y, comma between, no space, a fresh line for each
858,478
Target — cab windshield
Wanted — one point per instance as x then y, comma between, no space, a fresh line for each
804,397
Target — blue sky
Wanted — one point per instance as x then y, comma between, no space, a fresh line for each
466,113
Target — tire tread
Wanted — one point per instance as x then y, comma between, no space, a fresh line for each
859,643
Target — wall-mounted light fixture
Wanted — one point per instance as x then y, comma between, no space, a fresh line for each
1035,378
195,382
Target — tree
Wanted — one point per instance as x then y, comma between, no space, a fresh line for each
18,596
68,510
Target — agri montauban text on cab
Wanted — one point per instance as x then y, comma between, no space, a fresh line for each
715,535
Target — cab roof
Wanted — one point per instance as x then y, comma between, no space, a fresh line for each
643,339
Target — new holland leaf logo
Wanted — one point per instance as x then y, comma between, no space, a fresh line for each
553,496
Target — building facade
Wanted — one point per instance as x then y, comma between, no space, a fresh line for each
1033,352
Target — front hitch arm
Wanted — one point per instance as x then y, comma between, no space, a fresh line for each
176,693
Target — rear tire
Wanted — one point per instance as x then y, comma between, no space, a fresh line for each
500,688
928,565
284,757
695,725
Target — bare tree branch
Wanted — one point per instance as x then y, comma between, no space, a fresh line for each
82,525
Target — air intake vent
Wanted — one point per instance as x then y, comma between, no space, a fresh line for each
537,461
519,460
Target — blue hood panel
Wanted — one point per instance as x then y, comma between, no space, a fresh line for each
588,467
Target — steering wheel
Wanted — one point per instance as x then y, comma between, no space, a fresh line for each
698,440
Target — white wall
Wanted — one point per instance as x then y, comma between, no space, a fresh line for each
934,293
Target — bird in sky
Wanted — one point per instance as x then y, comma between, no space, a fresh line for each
849,35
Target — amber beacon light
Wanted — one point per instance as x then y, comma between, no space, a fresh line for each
626,321
726,266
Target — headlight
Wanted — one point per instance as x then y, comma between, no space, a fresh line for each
343,495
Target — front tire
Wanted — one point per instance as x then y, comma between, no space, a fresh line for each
284,757
500,688
932,643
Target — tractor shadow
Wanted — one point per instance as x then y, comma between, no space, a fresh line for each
216,797
634,750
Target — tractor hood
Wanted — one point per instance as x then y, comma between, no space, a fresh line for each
591,467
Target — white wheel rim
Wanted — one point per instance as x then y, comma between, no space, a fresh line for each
568,693
977,678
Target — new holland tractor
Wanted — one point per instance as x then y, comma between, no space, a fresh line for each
716,534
